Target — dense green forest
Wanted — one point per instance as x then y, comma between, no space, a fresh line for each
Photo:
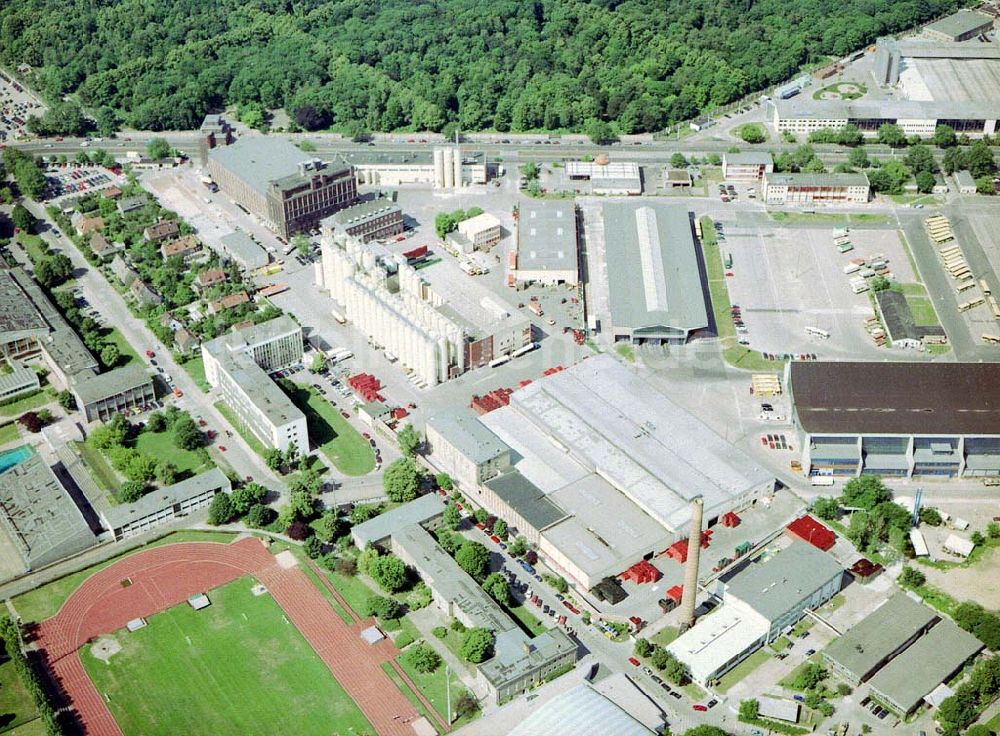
420,64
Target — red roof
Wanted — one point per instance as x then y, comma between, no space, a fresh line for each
642,572
416,252
675,593
809,530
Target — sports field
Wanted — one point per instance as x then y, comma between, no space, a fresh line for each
237,667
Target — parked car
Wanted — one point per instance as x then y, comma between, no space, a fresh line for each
633,661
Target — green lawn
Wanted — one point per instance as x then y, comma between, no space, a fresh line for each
16,705
922,310
666,635
336,438
195,368
994,723
409,694
100,470
744,668
33,245
626,351
161,444
527,620
9,433
354,591
16,408
125,350
32,728
792,676
45,601
236,667
434,685
831,217
255,444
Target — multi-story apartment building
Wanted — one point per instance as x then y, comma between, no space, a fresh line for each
239,364
289,190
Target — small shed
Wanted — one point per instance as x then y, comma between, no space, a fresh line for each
136,624
966,184
779,708
198,602
811,531
372,635
959,546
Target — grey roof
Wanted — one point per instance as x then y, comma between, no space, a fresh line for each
364,211
90,388
122,271
418,511
130,204
749,158
39,515
260,160
653,273
581,711
897,398
964,178
526,499
867,644
164,498
546,235
252,335
898,318
244,250
267,396
931,660
517,654
468,435
810,109
817,180
960,23
18,316
776,586
19,378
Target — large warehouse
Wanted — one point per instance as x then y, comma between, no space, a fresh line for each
546,250
604,468
759,604
898,419
928,83
655,286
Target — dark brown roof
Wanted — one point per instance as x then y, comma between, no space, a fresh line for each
897,398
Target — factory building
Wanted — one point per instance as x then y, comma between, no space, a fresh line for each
597,468
748,167
371,220
289,190
898,419
760,603
607,177
654,274
546,249
961,26
437,322
447,167
816,188
239,363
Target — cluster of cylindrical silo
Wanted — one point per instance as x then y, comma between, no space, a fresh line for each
447,167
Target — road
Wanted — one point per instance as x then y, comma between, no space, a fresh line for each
106,299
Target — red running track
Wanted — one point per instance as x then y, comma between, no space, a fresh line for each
166,576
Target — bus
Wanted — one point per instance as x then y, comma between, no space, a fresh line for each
821,480
965,286
966,306
500,361
984,287
817,332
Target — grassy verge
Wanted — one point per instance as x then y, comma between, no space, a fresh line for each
434,685
977,554
909,254
665,636
775,726
102,472
353,590
16,706
16,408
744,668
336,438
407,691
45,601
9,433
195,367
790,679
126,353
626,351
527,620
828,217
255,444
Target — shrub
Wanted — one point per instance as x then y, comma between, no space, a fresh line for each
423,659
298,530
440,632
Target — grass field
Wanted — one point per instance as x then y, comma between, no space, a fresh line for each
16,705
434,686
336,438
741,670
100,470
354,591
195,367
666,635
9,433
16,408
45,601
248,436
161,444
236,667
126,352
528,621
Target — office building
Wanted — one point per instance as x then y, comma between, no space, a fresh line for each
118,391
898,419
215,131
482,232
425,510
546,249
603,468
374,219
748,167
239,364
960,26
760,603
289,190
437,322
39,521
17,381
465,449
164,504
816,189
654,274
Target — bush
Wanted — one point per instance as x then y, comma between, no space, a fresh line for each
259,516
387,609
423,659
221,510
298,530
910,577
346,566
440,632
752,133
477,645
313,548
388,572
131,490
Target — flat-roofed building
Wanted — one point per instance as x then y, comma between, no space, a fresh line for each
719,642
519,661
816,188
465,449
870,644
38,517
781,708
581,711
164,504
288,189
118,391
607,177
966,184
244,250
424,510
750,166
933,659
546,250
239,364
447,167
373,219
960,26
483,230
18,381
654,276
898,419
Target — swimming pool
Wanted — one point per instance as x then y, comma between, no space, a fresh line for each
10,458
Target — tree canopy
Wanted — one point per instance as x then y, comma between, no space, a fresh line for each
395,64
401,480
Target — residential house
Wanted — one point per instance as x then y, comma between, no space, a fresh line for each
143,294
122,271
161,231
228,302
102,248
209,278
130,204
85,225
185,341
111,192
186,247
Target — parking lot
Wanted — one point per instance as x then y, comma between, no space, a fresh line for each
66,180
16,104
788,279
